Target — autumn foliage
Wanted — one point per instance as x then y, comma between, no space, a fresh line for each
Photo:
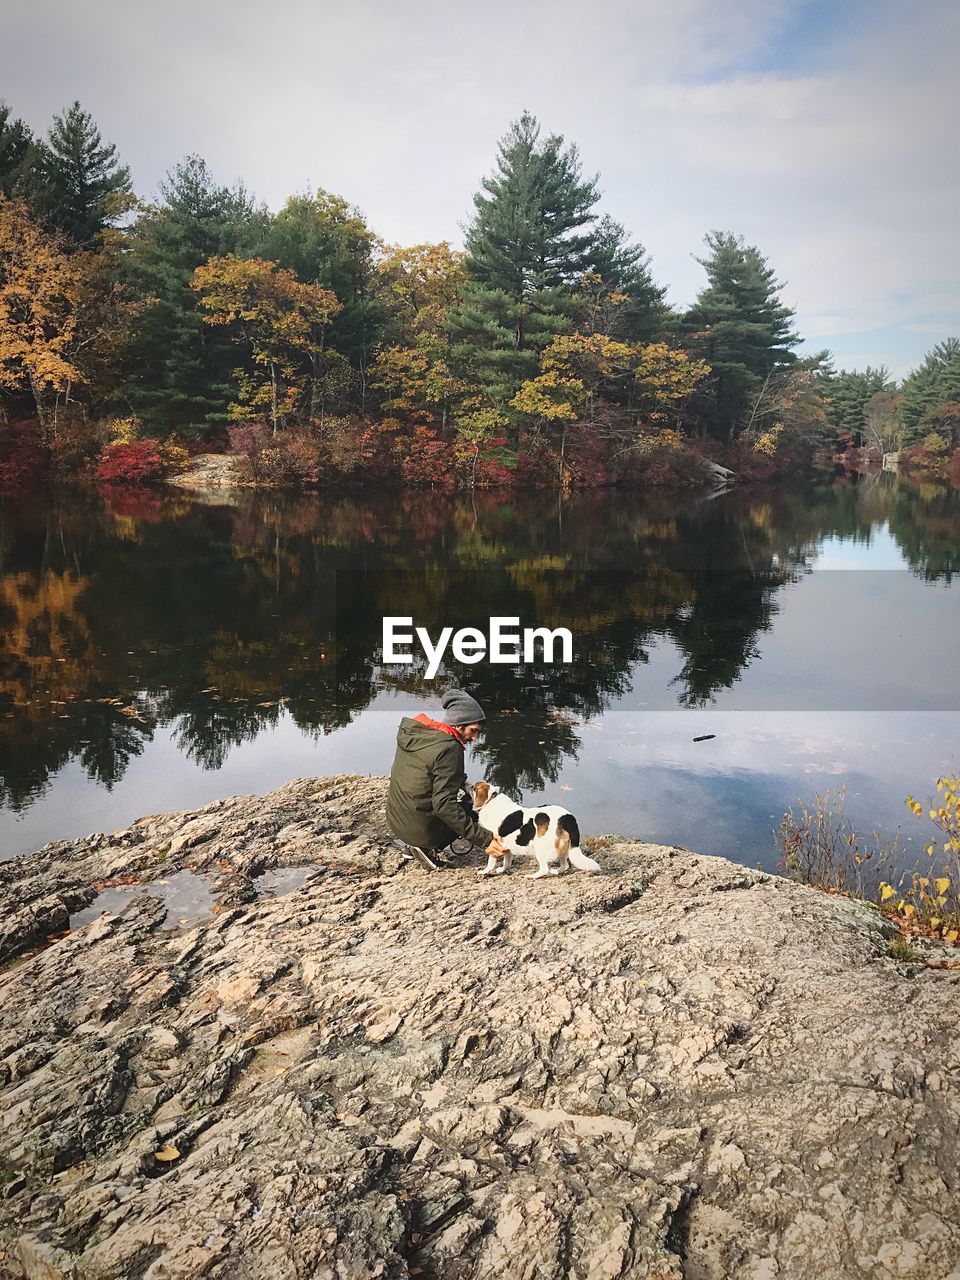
140,462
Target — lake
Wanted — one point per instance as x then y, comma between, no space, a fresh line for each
733,655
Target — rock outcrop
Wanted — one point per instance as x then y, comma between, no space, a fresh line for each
211,471
677,1068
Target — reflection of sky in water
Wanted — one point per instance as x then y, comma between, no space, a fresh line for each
866,640
637,772
880,551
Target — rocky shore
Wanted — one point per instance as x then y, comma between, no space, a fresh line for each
677,1068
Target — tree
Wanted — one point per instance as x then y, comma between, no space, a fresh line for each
790,407
622,391
18,156
527,245
276,316
41,289
936,381
85,188
417,285
847,395
740,327
881,420
178,370
623,269
325,241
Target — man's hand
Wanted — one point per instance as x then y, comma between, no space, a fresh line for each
496,848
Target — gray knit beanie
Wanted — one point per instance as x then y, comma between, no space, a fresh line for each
460,708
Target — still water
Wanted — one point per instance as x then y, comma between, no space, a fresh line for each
158,652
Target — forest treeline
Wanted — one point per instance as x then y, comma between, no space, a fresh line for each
134,333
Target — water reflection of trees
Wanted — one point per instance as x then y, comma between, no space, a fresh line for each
118,620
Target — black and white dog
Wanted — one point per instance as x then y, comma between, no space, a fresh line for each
549,832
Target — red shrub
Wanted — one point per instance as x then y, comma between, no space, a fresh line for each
490,474
136,463
428,462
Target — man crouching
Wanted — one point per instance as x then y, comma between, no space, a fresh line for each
423,808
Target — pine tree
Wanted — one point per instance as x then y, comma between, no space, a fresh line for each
178,369
85,187
740,327
847,393
18,156
935,382
625,268
526,246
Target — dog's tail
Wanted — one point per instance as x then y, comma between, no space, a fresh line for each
568,844
580,860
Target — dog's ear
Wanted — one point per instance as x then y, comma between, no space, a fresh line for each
481,793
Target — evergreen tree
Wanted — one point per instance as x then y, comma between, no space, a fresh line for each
178,369
85,188
740,327
18,156
625,268
527,245
935,382
847,393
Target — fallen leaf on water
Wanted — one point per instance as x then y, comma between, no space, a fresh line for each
184,920
166,1154
564,787
215,911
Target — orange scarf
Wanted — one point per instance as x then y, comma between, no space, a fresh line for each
423,718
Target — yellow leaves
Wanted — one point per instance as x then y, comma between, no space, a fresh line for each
420,283
167,1154
551,396
649,377
943,884
886,891
273,314
766,442
42,293
258,293
914,806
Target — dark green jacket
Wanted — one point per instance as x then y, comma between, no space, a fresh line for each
427,773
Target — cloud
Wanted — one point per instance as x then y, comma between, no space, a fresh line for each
696,116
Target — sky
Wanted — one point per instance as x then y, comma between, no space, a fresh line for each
824,133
